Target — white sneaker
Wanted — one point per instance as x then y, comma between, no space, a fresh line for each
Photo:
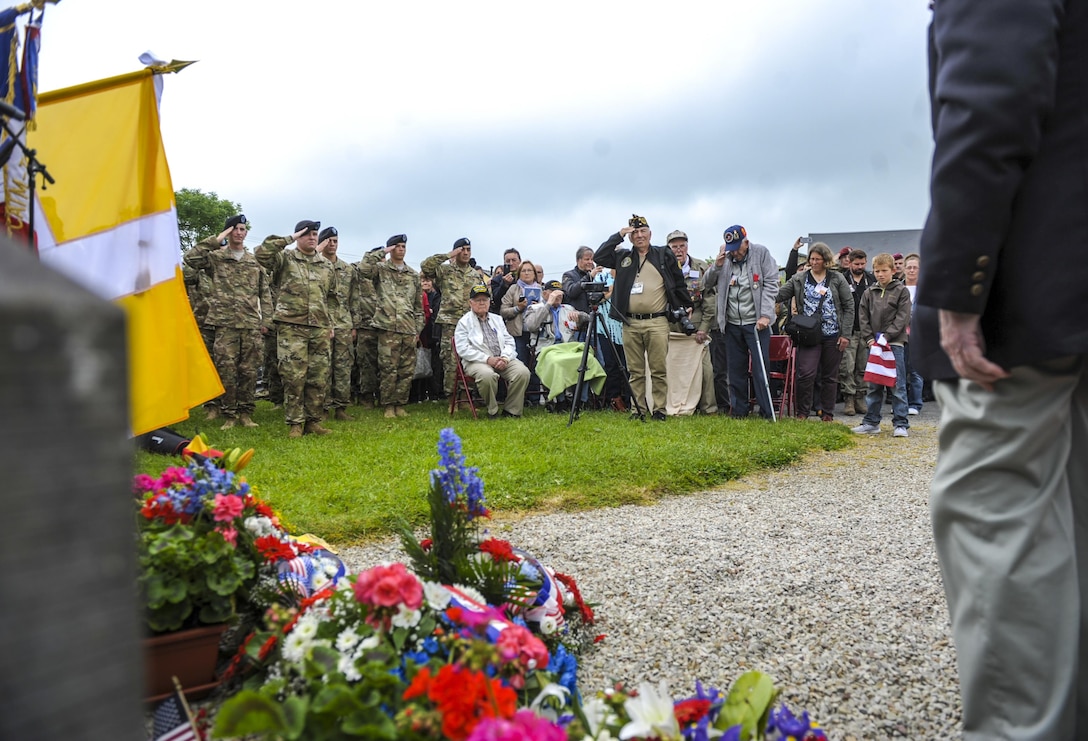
866,429
900,432
912,411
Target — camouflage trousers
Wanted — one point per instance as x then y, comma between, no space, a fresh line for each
304,367
208,335
449,365
343,358
237,353
273,384
366,362
397,365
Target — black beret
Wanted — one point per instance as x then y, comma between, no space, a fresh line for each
462,242
234,221
310,226
329,231
396,239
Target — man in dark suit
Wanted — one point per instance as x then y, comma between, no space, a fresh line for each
1006,335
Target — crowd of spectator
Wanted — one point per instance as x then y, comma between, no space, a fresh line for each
670,334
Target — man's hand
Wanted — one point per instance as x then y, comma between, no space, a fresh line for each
389,248
264,330
522,303
961,339
701,336
322,243
455,252
797,244
299,233
595,272
762,323
721,257
224,234
508,278
844,342
555,298
625,231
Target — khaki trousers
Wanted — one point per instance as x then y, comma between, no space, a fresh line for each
1009,503
646,346
516,376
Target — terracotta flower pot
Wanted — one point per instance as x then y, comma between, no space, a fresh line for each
190,655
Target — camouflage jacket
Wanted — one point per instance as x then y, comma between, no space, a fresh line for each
238,297
695,280
399,306
196,288
453,282
341,308
364,300
306,284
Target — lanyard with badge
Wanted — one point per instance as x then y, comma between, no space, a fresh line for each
636,287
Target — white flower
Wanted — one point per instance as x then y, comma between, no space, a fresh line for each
550,690
651,713
306,628
598,715
549,625
347,640
294,647
318,581
370,643
346,666
406,618
437,596
259,526
471,594
331,567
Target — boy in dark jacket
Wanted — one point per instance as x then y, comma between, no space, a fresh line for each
885,310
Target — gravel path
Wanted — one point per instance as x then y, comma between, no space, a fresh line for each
822,575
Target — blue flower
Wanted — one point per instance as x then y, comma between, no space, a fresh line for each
565,666
790,726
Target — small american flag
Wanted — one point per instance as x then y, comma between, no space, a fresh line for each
172,721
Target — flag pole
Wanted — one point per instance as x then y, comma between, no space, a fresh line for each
185,706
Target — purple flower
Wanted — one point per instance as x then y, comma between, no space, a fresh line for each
792,727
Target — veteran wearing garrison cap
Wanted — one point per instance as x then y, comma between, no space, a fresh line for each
239,312
453,276
306,288
648,284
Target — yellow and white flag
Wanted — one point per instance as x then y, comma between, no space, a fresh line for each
110,223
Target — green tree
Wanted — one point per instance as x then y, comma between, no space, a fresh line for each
201,214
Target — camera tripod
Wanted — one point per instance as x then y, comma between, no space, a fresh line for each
591,332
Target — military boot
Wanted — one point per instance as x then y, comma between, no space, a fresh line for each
848,406
859,403
212,413
367,403
400,411
315,428
247,421
390,412
294,431
228,424
342,415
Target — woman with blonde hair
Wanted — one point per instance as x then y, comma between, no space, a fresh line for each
821,289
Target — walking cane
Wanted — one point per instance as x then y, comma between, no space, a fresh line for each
763,367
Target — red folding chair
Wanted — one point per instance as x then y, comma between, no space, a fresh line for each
781,350
464,387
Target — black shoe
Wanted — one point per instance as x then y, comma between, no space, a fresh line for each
659,416
508,414
493,416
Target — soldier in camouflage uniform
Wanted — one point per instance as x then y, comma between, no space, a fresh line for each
306,285
694,271
273,384
364,301
239,310
343,340
398,319
197,287
454,279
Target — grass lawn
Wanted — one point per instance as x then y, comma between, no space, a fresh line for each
351,486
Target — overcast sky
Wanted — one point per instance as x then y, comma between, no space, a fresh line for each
541,127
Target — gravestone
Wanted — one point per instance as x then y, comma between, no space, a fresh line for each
70,660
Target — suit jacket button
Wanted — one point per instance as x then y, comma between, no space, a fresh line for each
983,261
976,290
979,276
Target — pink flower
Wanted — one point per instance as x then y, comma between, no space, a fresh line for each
142,483
229,534
516,643
524,726
174,475
389,586
227,507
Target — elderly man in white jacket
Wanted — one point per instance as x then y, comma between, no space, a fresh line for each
487,353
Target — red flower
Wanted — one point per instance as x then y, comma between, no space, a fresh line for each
273,549
463,697
426,544
500,550
599,638
691,711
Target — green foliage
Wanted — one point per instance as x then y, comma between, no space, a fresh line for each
358,483
201,214
748,703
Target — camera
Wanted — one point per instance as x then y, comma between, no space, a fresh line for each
594,291
680,316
